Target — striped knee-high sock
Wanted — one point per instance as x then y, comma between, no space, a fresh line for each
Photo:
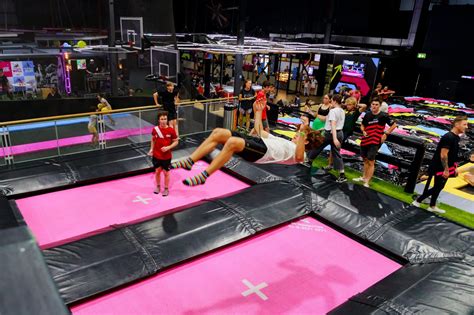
198,179
187,164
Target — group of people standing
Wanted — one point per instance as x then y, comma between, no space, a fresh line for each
334,122
310,86
338,122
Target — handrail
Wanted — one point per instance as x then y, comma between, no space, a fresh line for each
185,103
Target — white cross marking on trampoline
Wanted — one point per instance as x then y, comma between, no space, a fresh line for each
255,289
141,199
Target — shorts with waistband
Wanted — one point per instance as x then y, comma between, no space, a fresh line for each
255,148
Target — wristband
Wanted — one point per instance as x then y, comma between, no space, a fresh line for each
302,134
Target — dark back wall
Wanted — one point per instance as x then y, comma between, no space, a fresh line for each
449,46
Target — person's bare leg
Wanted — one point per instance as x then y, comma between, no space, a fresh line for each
173,123
167,182
364,171
167,178
233,145
93,140
158,177
218,136
469,178
157,180
370,171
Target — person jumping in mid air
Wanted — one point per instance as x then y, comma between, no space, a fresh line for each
264,148
92,126
104,106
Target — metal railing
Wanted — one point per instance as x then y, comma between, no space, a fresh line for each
48,137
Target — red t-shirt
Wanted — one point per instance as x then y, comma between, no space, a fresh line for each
356,94
261,95
169,134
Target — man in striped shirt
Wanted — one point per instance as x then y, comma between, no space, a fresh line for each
374,134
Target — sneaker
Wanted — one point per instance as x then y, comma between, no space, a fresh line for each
366,185
359,179
435,209
341,179
157,190
165,192
415,203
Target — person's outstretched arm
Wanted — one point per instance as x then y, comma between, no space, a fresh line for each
155,98
300,145
258,107
176,100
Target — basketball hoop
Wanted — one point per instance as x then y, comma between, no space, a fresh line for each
131,32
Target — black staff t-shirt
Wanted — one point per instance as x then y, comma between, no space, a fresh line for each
247,104
167,99
449,141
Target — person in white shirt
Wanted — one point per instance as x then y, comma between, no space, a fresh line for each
313,87
262,149
334,136
306,86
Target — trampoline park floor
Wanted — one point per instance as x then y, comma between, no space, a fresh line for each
66,215
303,267
300,267
452,213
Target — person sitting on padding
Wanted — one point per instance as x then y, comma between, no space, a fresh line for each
467,171
262,149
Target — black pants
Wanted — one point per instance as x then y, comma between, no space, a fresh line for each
439,183
336,152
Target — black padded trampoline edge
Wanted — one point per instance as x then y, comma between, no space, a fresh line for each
29,178
102,262
419,231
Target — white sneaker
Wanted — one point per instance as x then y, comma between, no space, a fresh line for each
366,185
359,179
156,190
415,203
435,209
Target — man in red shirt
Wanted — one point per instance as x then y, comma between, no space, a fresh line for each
163,140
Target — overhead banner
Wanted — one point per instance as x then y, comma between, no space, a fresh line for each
20,74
